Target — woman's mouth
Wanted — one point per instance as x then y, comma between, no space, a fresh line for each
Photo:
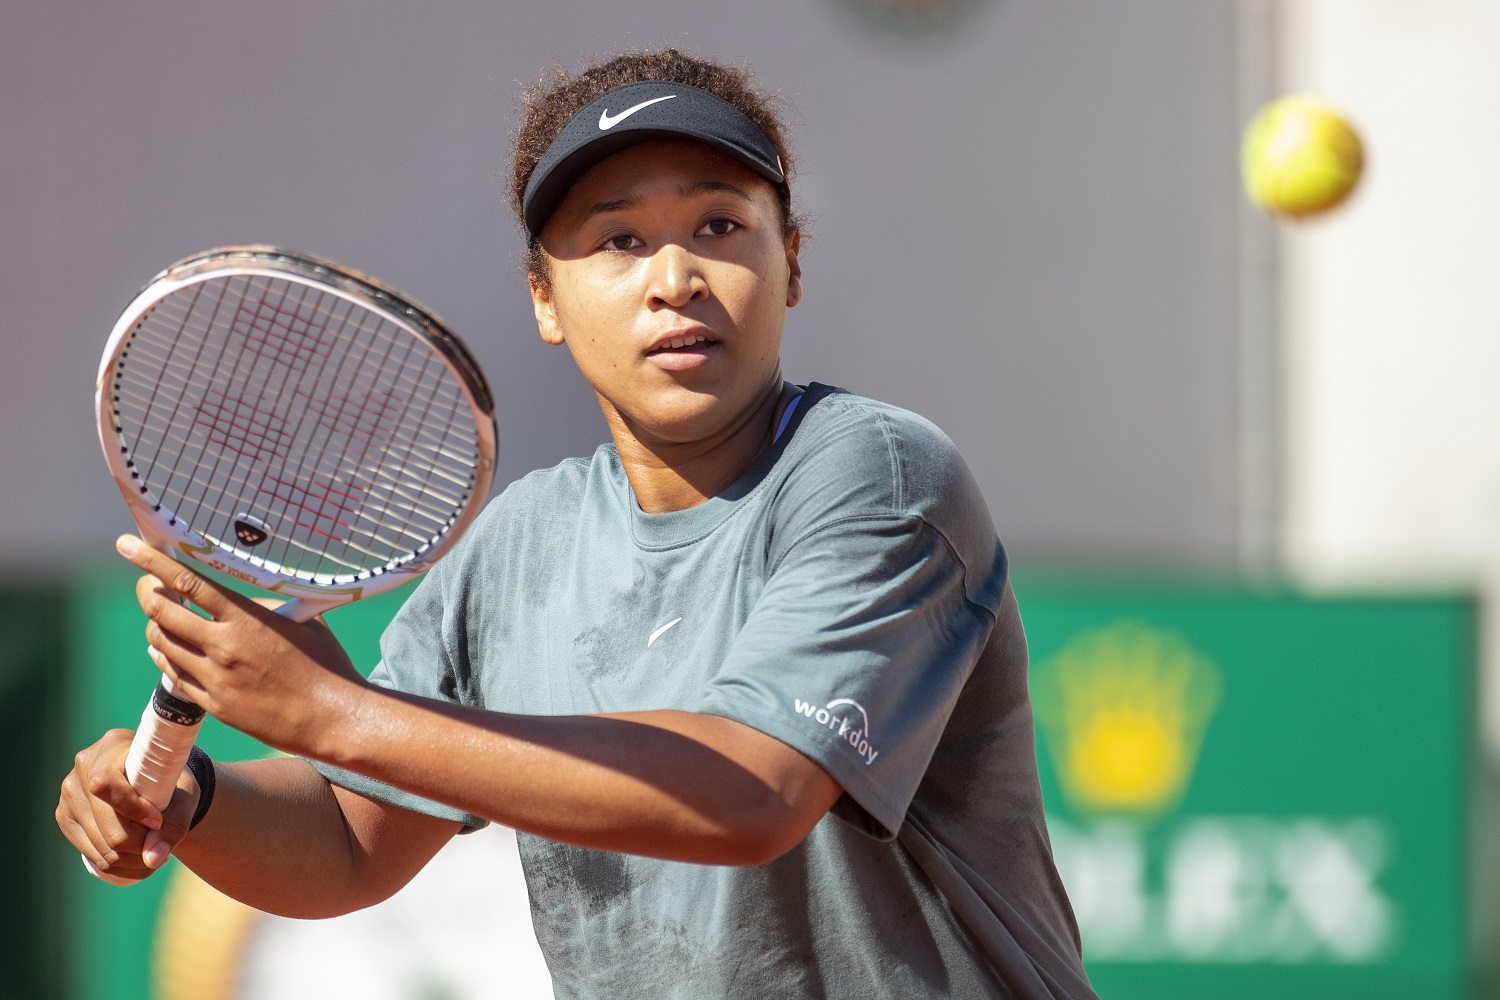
682,353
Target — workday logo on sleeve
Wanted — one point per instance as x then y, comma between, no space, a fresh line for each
847,718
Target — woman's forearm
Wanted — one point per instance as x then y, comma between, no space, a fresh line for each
670,784
282,839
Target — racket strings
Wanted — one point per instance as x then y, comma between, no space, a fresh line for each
432,501
290,338
424,439
277,487
324,425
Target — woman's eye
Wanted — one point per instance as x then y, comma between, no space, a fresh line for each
720,227
622,242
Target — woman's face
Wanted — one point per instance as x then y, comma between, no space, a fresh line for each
671,278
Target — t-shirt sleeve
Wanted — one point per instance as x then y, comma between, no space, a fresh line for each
414,658
855,654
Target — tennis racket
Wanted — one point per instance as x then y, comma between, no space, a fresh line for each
295,425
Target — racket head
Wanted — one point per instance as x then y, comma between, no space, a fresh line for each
293,423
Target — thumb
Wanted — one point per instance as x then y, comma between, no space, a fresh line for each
157,849
159,843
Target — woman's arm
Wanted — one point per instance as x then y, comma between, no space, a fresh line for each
278,836
281,838
670,784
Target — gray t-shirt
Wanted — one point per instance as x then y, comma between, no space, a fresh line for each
847,595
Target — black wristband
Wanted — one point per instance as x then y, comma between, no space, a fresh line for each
201,766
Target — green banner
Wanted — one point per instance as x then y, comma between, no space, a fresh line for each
1258,795
32,690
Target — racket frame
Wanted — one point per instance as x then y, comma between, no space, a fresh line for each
158,524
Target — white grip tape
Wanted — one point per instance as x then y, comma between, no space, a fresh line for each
157,755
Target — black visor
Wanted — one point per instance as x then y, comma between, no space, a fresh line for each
633,113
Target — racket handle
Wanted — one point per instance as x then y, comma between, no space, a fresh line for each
169,727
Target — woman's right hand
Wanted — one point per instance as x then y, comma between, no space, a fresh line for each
110,823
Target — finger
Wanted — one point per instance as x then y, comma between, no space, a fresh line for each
160,602
120,839
216,600
183,652
80,842
109,791
130,869
75,818
158,599
182,680
116,820
156,850
159,844
109,847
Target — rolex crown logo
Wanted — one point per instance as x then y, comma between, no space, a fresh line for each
1123,710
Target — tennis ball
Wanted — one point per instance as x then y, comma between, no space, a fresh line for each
1300,157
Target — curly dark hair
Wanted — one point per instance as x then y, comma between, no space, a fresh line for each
547,105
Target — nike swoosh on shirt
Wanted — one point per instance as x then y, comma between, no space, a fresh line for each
608,122
657,634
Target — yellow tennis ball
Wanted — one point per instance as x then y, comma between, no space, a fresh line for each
1300,157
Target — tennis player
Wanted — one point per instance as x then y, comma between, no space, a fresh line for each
750,681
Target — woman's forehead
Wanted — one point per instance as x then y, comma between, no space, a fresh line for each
658,168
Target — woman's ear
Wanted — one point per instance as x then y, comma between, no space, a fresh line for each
794,268
545,308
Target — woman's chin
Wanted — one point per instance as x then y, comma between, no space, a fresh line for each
684,407
680,417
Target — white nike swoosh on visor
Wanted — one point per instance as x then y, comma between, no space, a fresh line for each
606,122
657,634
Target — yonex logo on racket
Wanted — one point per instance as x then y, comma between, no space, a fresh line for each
250,531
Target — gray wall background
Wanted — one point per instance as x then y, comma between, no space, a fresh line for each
1025,224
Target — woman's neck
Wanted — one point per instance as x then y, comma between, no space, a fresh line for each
672,476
